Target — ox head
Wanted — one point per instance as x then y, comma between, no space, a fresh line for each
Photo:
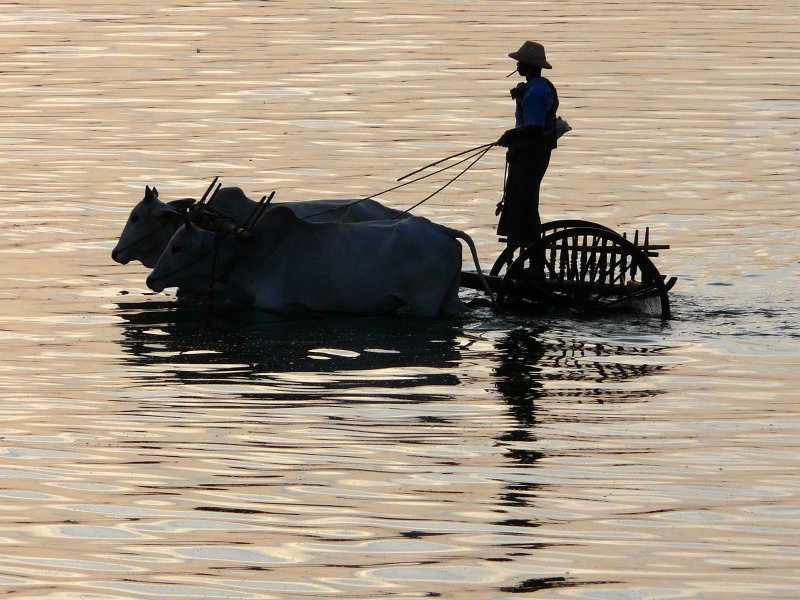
187,262
149,228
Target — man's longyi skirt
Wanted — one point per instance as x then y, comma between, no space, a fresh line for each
519,222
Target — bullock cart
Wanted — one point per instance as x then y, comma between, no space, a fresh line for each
576,265
582,266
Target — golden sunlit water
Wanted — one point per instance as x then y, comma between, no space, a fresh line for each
151,450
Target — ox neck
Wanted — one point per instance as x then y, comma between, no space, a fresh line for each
222,259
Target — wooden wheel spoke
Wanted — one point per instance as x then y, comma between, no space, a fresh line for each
610,271
585,267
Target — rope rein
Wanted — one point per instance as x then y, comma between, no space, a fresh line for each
145,236
213,279
481,154
474,153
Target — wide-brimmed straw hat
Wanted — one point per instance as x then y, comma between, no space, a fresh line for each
531,53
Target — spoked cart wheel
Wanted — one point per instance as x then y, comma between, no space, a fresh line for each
586,268
510,253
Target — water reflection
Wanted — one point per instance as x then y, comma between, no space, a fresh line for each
185,343
181,455
241,450
527,357
518,373
536,374
198,343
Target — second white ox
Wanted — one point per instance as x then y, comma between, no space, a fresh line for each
289,263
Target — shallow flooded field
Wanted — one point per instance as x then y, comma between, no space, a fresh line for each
152,449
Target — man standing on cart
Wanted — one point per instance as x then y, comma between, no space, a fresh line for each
529,146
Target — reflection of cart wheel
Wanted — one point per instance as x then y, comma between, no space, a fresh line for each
585,268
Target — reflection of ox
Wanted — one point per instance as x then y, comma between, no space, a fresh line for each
152,222
289,263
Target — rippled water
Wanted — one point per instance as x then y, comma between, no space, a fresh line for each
149,449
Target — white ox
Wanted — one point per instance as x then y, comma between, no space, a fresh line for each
290,263
152,222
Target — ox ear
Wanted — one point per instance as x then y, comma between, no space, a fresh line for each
201,241
150,194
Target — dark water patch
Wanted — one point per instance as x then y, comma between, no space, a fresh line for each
548,583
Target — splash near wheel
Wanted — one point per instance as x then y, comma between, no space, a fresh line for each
590,269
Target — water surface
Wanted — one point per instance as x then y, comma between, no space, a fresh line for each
153,450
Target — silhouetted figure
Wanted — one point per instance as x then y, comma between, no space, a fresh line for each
529,146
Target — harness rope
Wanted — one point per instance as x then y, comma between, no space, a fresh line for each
481,152
475,157
214,259
222,277
144,237
178,270
500,205
214,210
441,160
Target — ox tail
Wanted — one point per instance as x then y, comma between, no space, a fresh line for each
460,235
